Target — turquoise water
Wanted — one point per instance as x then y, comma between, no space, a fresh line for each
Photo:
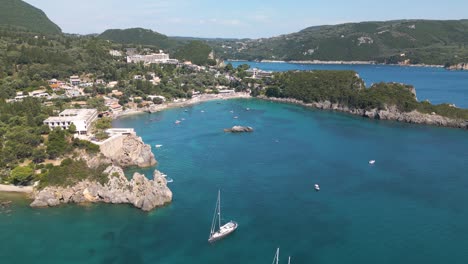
410,207
435,84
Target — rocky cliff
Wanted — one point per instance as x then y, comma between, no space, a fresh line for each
128,150
139,191
459,67
390,113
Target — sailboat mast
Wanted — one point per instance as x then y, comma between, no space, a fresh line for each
276,259
219,208
213,222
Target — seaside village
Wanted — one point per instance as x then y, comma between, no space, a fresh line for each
77,89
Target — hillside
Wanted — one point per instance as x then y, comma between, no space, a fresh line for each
191,49
420,41
18,14
139,36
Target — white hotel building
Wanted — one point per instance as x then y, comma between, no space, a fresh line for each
81,118
152,58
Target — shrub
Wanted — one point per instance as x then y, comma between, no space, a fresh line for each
21,175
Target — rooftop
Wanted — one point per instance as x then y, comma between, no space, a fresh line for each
72,115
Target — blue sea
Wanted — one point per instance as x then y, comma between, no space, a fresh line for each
409,207
437,85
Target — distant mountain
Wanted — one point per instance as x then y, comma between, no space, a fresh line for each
21,15
420,41
139,36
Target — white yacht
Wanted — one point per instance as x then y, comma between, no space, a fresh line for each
317,187
371,162
222,230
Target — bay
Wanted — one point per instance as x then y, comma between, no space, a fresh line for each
410,207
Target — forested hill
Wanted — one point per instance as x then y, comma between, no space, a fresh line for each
196,51
420,41
139,36
21,15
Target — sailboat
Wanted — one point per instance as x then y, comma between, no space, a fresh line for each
222,230
276,258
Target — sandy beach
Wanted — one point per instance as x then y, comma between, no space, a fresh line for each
17,189
194,100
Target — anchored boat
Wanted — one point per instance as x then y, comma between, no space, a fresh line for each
219,231
276,258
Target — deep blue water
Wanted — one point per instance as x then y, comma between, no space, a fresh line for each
435,84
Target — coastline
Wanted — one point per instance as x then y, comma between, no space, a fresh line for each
194,100
413,117
320,62
16,189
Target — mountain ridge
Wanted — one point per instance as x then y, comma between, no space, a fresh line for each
21,15
396,41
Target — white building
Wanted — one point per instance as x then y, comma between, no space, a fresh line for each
81,118
152,58
151,97
115,53
75,80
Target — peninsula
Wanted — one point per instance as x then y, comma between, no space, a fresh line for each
345,91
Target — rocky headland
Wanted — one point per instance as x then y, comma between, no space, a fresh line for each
458,67
238,129
119,151
128,150
139,191
389,113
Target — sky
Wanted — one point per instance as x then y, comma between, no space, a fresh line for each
236,18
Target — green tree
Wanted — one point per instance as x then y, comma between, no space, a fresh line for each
72,129
21,175
57,145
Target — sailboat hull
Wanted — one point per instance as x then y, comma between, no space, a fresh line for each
224,231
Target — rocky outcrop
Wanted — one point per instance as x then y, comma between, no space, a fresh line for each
128,150
239,129
459,67
139,191
390,113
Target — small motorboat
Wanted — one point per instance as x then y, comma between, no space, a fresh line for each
317,187
231,111
177,122
202,111
158,146
248,109
371,162
236,117
185,110
169,180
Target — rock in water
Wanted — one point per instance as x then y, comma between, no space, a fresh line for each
239,129
140,191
